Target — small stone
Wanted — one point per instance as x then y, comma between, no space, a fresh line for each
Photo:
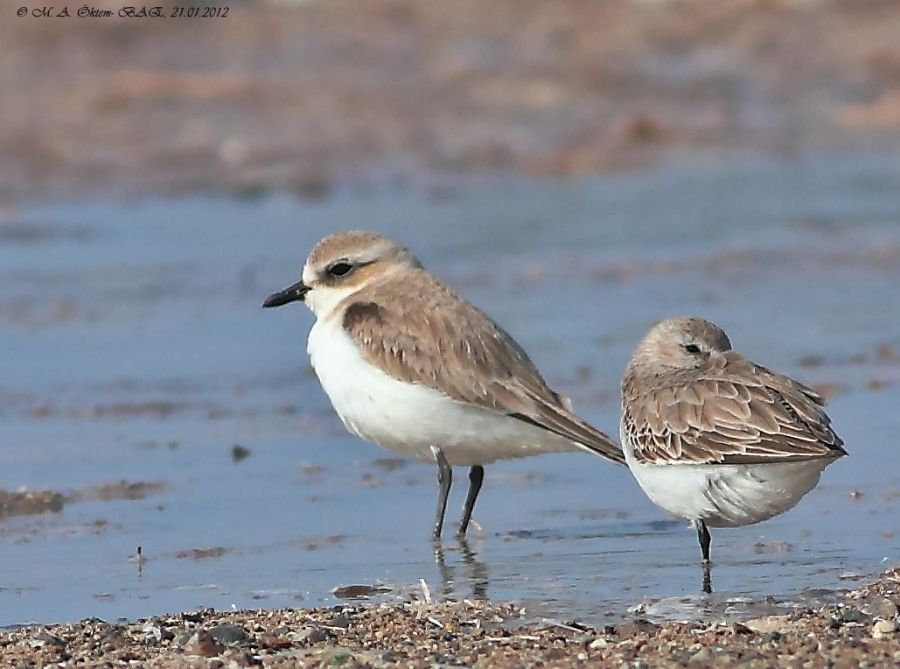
596,644
272,642
337,657
880,607
850,615
883,628
358,591
228,635
182,637
636,626
758,663
113,640
192,616
767,624
202,644
46,640
153,630
702,656
738,628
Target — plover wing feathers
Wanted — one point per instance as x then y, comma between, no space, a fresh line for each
736,412
476,361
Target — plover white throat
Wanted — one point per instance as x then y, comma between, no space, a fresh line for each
714,438
413,367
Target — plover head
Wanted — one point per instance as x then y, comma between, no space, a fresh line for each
340,265
680,343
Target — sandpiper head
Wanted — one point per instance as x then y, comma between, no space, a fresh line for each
339,265
680,343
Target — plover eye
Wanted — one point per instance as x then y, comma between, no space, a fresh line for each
340,269
691,348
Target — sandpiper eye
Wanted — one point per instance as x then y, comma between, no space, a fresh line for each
340,269
691,348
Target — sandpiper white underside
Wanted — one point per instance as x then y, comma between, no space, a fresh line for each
411,418
725,495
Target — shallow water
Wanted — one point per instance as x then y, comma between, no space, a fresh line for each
134,349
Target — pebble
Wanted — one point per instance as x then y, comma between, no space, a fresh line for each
702,656
358,591
228,634
42,640
767,624
880,607
114,639
883,628
850,615
202,644
311,635
636,626
152,629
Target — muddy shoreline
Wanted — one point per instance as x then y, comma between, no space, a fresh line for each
860,630
295,96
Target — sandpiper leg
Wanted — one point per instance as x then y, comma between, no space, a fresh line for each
703,535
445,478
705,539
476,477
707,579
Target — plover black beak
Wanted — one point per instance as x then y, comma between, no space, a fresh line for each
290,294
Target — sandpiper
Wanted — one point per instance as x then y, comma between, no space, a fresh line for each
714,438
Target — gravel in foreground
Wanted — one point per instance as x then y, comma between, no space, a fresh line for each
861,631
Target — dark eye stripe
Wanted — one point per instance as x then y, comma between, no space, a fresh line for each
692,348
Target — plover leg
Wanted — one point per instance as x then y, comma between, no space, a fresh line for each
445,478
476,478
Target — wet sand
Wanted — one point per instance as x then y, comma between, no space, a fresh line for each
858,631
148,394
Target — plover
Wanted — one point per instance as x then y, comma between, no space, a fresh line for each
714,438
414,368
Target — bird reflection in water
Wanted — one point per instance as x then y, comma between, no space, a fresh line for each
475,571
